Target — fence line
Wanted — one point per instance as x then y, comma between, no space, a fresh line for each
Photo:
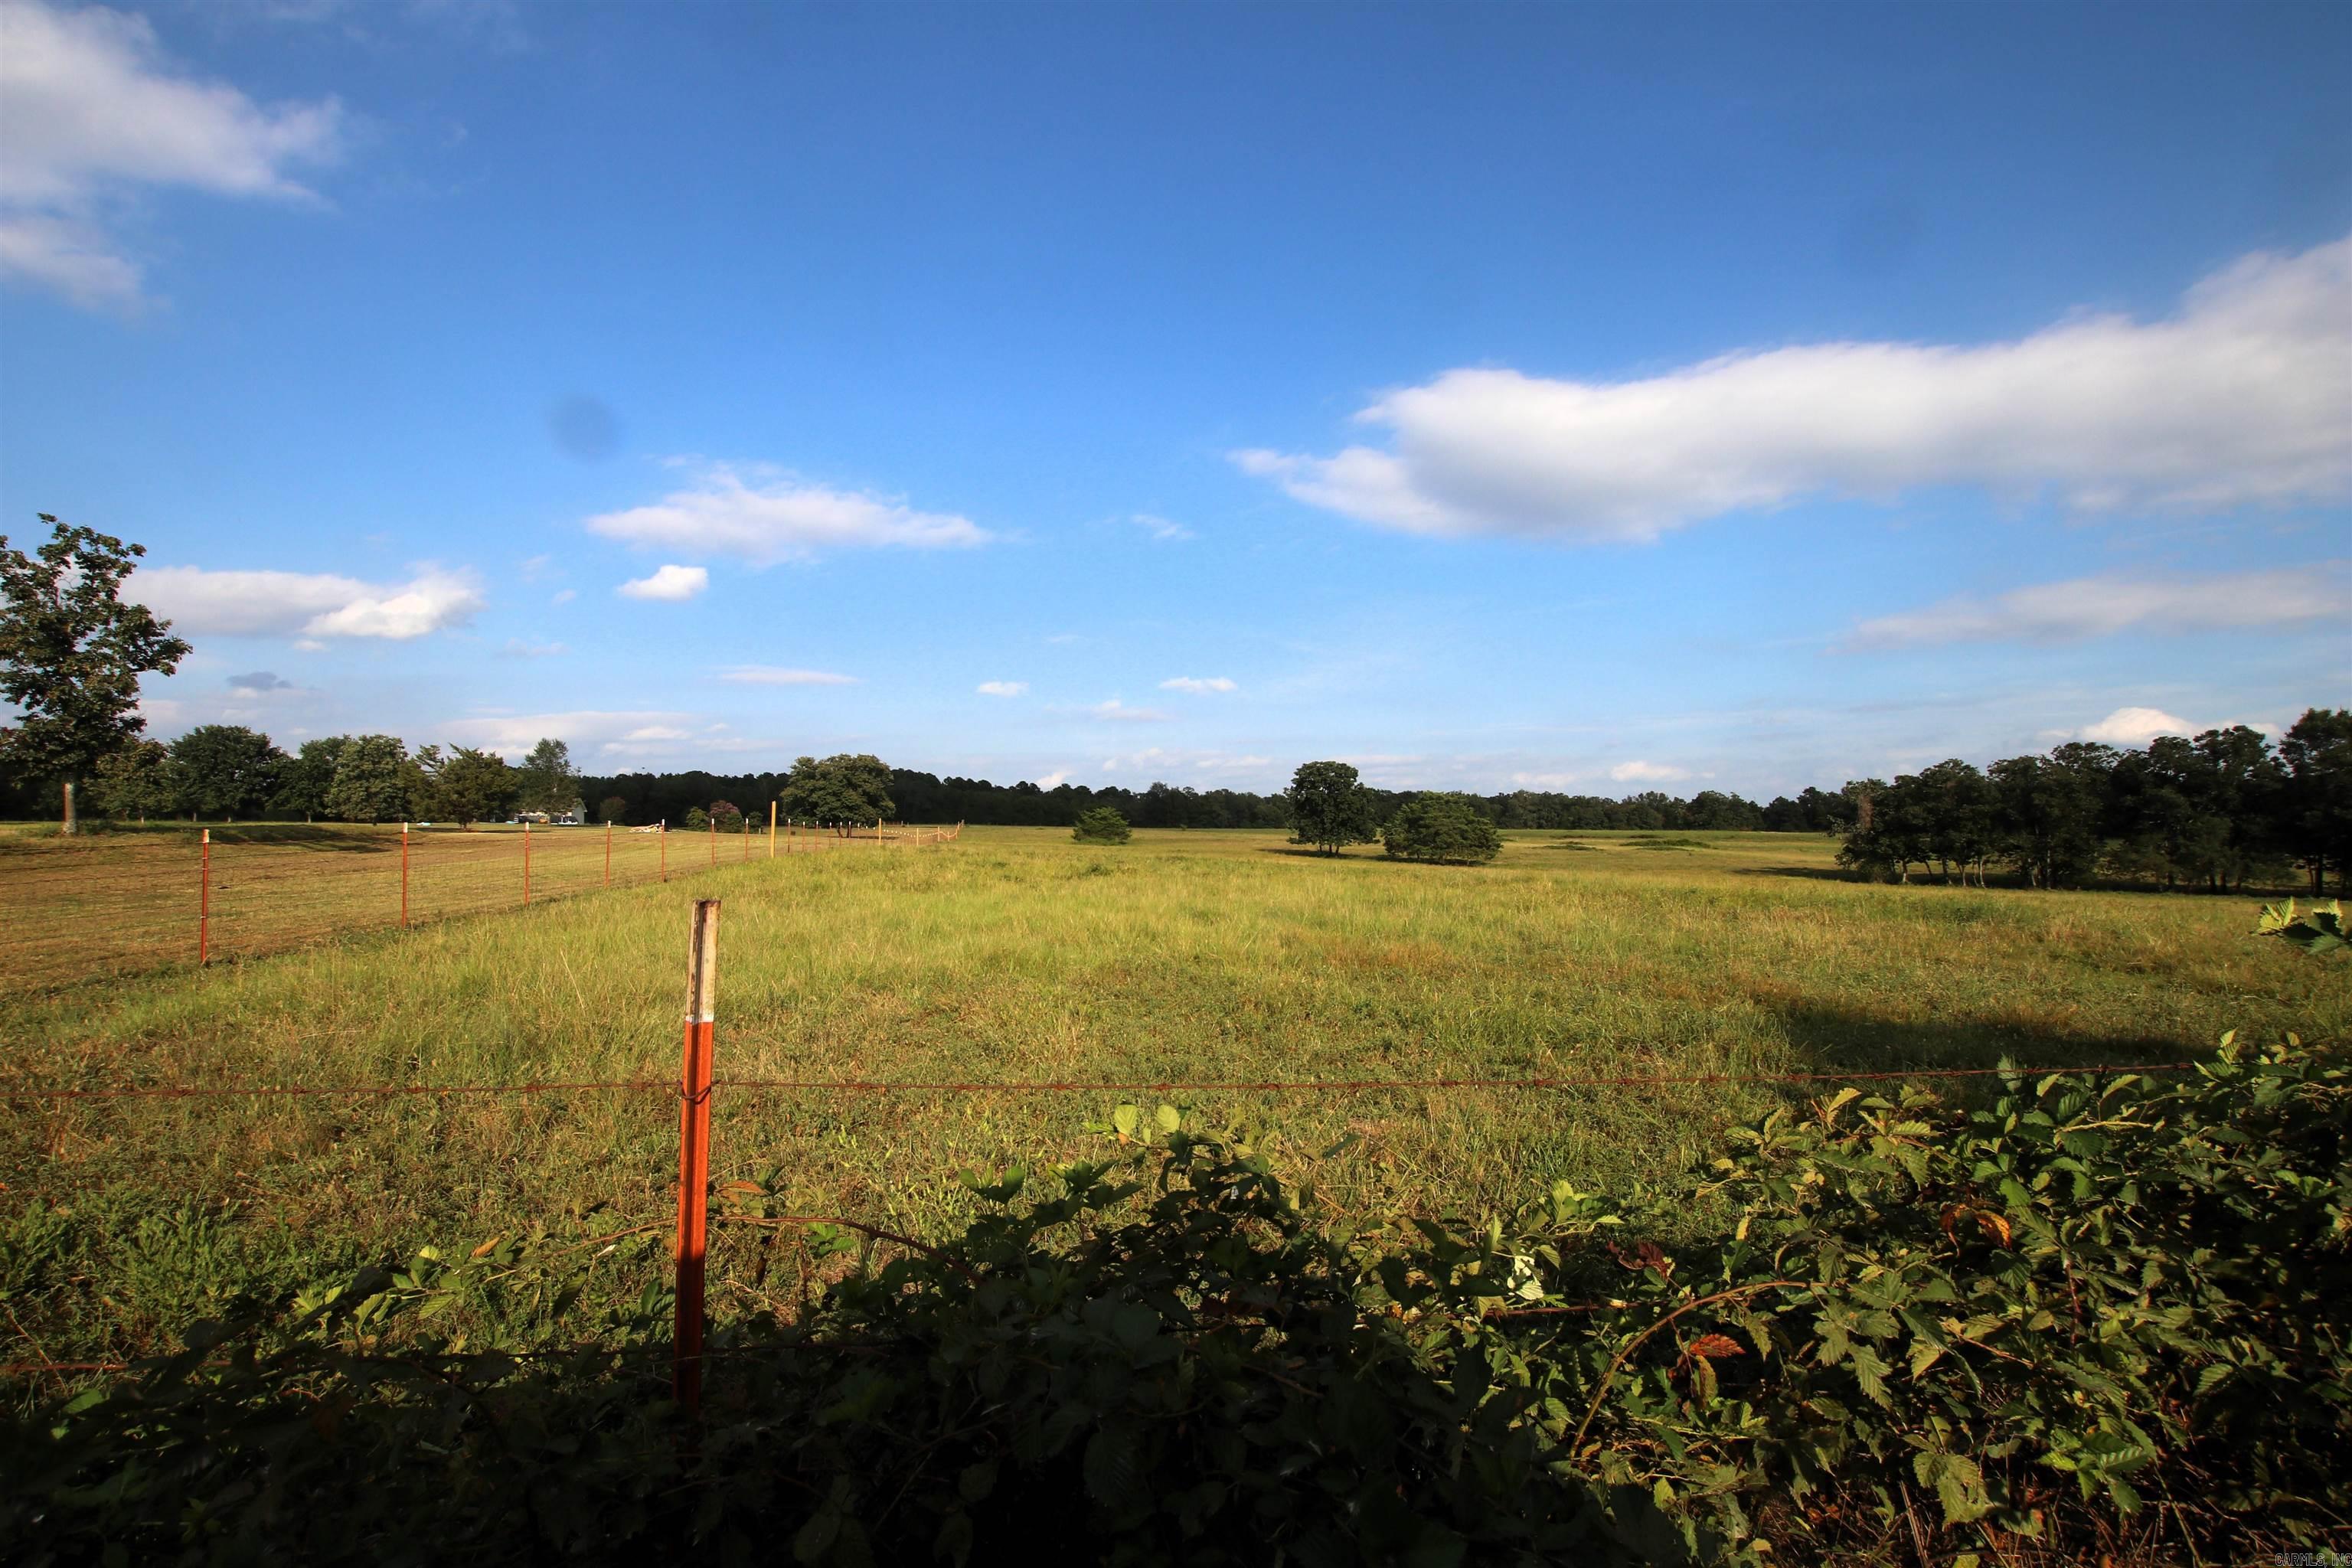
1071,1085
131,905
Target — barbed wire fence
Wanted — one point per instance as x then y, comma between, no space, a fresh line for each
163,904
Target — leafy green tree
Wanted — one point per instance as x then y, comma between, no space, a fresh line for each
227,770
1103,825
1442,827
548,781
697,820
141,780
304,779
374,780
465,787
1330,807
2314,801
841,791
72,653
2051,812
614,810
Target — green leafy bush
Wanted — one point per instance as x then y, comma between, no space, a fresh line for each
1103,825
1435,826
2097,1312
2319,929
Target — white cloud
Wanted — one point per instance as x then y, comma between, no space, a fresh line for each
1054,780
772,675
2243,396
2137,727
1199,688
1161,529
1163,760
779,519
2104,605
673,584
589,733
564,596
90,111
517,647
1647,773
312,605
1119,712
1003,688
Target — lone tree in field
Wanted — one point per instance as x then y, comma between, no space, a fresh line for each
549,783
1448,830
1329,807
72,653
1103,825
840,793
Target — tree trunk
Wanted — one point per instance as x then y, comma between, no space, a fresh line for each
69,829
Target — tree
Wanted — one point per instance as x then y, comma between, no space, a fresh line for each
1441,828
727,814
840,793
1103,825
2314,803
141,780
227,770
614,810
304,779
72,653
2050,812
465,787
374,780
547,780
1329,807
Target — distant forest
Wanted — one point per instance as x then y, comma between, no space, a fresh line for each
926,797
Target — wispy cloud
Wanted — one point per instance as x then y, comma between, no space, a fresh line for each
1118,712
518,647
2104,606
1199,686
92,111
780,517
632,735
1161,529
774,675
671,584
311,604
1001,688
2244,395
1647,773
1163,759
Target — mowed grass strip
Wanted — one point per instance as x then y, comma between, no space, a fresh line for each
1015,955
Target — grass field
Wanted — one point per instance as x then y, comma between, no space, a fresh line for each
1013,954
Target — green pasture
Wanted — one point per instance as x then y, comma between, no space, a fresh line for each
1015,955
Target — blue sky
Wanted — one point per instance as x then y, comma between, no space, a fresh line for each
1582,397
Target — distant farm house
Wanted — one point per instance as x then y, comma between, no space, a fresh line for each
577,816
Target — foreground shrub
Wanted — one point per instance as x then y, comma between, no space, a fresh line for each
1448,828
1103,825
2098,1312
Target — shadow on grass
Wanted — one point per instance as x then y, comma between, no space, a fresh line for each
1832,1040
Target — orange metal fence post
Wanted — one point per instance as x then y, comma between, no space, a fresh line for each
714,841
204,904
403,875
747,838
694,1152
665,849
772,830
526,865
608,853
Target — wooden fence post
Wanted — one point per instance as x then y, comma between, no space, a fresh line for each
694,1152
205,902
